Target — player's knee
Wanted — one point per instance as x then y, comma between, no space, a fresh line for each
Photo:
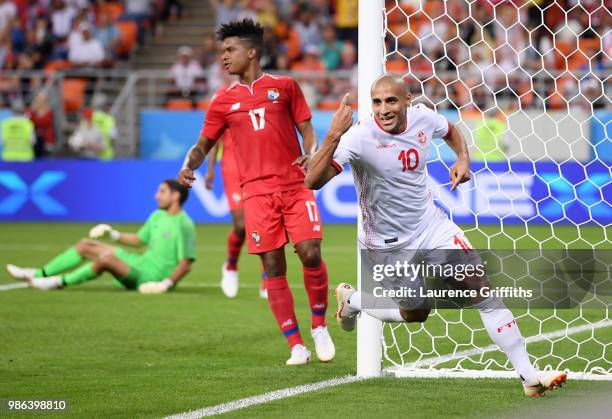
83,246
311,256
105,260
418,315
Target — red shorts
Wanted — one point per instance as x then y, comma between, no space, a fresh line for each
270,219
231,186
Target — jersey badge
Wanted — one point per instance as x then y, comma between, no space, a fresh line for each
422,137
273,94
235,106
256,237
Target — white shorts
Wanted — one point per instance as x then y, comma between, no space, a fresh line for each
441,244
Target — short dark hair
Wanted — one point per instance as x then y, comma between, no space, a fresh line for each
175,186
245,29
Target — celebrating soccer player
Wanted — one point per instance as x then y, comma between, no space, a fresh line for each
169,235
262,113
387,154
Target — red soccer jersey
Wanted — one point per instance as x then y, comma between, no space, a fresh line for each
261,119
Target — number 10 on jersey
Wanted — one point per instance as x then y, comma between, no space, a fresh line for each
257,118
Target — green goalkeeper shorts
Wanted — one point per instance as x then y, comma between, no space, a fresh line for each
140,271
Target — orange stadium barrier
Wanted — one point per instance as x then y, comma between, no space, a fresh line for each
73,92
179,105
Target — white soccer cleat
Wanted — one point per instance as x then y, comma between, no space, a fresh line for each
47,283
345,316
300,355
324,345
22,274
548,380
229,282
263,292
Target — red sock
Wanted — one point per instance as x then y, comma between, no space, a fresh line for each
281,303
316,283
234,245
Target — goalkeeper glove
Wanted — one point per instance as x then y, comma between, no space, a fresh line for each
103,230
156,287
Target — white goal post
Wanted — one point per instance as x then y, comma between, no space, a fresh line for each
558,338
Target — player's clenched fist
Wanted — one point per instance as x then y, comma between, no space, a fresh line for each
343,118
156,287
103,230
186,177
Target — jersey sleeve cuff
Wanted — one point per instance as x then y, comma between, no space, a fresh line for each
337,166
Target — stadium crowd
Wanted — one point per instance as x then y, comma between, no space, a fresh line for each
455,54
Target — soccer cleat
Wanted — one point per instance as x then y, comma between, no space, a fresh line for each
229,282
300,355
47,283
345,316
324,346
22,274
547,380
263,292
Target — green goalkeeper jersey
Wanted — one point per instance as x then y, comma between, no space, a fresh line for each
169,239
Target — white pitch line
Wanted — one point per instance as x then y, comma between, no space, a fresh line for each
292,391
14,286
264,398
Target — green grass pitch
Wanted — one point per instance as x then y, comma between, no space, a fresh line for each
113,353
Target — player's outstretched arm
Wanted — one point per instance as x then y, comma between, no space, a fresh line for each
321,170
194,159
101,231
460,171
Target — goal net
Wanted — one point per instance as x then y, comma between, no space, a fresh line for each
527,84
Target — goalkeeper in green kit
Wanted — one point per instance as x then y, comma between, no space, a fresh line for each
168,234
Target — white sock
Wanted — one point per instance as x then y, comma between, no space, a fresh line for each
504,331
388,315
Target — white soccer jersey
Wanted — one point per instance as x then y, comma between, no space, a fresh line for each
390,176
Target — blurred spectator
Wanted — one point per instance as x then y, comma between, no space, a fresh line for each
105,122
61,20
141,12
306,27
8,12
210,51
227,10
347,14
107,33
5,49
172,10
331,48
267,15
18,136
87,141
271,50
40,42
42,116
311,60
137,9
87,52
489,136
184,72
18,36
